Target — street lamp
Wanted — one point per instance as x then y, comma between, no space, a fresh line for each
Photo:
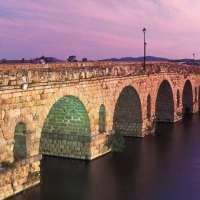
193,58
145,44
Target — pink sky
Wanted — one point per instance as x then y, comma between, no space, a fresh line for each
99,29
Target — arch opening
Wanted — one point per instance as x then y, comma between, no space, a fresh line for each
66,129
102,118
148,107
187,98
20,149
165,103
128,113
178,98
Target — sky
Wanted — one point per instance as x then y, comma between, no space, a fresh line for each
99,29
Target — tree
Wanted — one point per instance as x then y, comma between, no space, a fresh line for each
72,59
4,60
116,141
84,59
42,57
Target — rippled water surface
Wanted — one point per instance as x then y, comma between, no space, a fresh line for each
164,166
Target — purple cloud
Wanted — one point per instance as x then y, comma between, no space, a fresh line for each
99,29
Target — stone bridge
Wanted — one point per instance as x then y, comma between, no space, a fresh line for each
70,109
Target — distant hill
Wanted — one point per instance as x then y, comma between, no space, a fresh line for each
40,60
148,58
43,60
52,59
48,59
186,60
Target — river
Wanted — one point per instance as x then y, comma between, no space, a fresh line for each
163,166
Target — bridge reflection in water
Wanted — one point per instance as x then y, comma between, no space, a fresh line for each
161,166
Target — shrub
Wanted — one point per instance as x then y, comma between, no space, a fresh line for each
116,141
7,164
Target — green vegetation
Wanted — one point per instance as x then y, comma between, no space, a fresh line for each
7,164
67,79
72,59
116,141
33,175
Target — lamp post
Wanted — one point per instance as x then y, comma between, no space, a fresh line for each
193,58
144,67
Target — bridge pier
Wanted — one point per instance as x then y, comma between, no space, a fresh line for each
19,176
74,146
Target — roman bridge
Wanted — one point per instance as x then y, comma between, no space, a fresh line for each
70,109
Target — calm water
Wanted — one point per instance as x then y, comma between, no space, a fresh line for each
164,166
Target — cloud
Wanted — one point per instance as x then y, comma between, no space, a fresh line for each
98,29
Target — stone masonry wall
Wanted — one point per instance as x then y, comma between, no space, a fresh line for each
19,176
102,85
28,92
74,146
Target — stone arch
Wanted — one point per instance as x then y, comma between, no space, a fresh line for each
187,99
102,118
128,112
8,133
178,98
164,108
149,107
65,114
66,123
67,91
20,148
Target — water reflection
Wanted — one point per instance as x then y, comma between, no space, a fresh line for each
163,166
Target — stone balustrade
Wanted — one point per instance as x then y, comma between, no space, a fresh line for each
16,75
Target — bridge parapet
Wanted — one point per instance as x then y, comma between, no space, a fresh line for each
16,75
